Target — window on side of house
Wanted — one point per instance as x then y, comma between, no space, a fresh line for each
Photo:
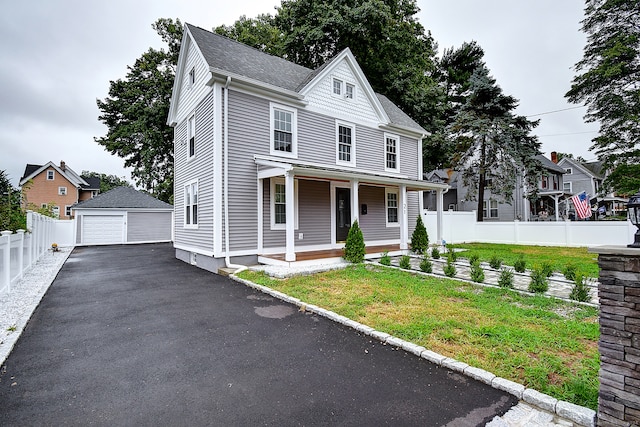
284,131
278,192
337,87
566,186
51,175
569,171
55,210
192,136
392,203
62,191
391,148
192,77
491,211
191,205
345,144
350,91
67,210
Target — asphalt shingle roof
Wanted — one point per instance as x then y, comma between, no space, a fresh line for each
123,197
548,164
229,55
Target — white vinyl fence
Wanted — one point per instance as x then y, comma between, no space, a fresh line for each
459,227
20,250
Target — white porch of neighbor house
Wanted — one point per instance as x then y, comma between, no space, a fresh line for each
269,167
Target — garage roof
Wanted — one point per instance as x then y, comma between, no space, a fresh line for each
123,197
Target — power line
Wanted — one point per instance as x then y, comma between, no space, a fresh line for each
566,134
556,111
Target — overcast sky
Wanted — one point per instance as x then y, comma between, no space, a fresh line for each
57,58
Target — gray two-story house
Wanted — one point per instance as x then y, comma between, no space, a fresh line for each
274,160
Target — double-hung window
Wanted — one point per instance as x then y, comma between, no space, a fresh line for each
490,209
350,91
192,77
566,186
55,210
67,210
192,136
392,203
337,87
391,148
279,204
283,131
62,191
345,144
50,175
191,205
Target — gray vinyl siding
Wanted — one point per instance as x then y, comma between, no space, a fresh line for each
413,210
148,226
579,180
374,223
201,168
409,157
189,95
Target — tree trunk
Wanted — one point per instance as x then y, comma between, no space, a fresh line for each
481,181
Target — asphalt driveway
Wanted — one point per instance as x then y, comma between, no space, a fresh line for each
128,335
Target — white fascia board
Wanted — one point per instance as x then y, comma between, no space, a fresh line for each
256,86
403,130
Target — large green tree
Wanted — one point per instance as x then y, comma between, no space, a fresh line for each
107,182
495,145
135,113
260,32
609,84
12,216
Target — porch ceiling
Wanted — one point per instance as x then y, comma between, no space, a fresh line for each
331,173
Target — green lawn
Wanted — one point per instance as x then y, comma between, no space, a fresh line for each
543,343
585,262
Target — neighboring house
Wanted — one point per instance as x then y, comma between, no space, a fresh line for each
273,159
123,215
548,205
57,186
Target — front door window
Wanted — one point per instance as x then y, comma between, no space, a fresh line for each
343,213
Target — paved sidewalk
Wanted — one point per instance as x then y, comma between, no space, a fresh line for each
128,335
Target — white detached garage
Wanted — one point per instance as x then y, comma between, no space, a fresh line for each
123,215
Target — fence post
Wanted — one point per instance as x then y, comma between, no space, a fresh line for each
516,231
6,258
20,253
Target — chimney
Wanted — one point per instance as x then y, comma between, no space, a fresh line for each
63,166
554,157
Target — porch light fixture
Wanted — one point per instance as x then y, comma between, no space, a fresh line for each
633,208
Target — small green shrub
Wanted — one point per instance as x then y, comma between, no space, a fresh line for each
451,253
385,259
477,273
570,271
520,265
547,269
354,248
450,269
539,281
426,266
419,238
435,253
580,291
474,258
495,262
506,278
405,262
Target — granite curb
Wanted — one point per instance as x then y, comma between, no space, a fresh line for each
579,415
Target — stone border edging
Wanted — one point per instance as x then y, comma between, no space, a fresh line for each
578,414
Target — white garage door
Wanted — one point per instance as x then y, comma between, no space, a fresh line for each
102,229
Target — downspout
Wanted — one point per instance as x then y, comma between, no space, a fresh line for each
227,258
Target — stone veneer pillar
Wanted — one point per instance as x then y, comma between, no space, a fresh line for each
619,294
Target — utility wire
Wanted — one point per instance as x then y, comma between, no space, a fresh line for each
566,134
556,111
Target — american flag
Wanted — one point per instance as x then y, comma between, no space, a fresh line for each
581,202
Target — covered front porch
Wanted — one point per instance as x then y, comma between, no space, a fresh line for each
383,204
328,256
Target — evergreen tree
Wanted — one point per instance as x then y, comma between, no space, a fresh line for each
419,238
107,182
354,248
608,85
494,145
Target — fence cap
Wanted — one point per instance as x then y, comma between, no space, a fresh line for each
6,232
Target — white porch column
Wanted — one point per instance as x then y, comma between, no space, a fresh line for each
555,199
439,218
260,215
290,254
404,229
355,202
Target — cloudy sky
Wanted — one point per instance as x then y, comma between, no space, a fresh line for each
57,58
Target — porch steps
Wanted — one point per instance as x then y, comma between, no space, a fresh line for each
223,271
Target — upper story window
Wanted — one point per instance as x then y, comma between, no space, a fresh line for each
350,91
191,205
62,191
491,211
345,143
545,182
391,148
337,87
192,136
569,171
392,205
566,186
51,175
279,202
192,77
283,131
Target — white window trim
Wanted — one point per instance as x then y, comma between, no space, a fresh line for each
53,175
192,77
569,171
294,131
386,206
272,203
486,208
353,92
184,205
335,80
62,191
191,133
55,210
67,210
570,186
353,143
397,139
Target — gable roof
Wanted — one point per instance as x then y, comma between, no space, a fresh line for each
123,197
549,165
582,167
93,183
229,57
32,171
595,167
